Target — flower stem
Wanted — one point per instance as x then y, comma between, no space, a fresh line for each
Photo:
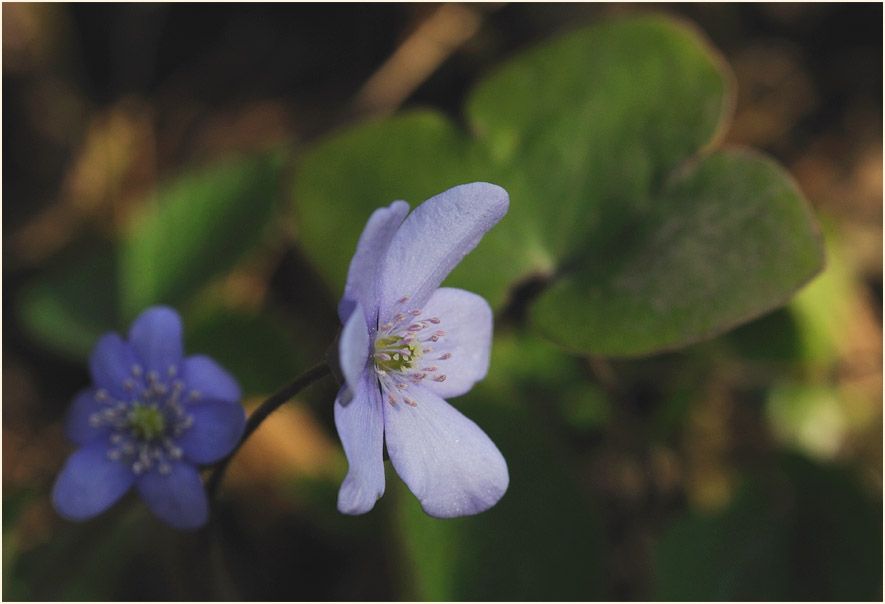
276,400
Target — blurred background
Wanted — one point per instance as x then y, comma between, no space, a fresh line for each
744,467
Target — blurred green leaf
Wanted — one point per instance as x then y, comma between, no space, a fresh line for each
583,130
342,181
642,242
803,537
255,349
69,306
729,239
196,228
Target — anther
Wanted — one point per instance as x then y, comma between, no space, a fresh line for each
165,468
172,371
391,399
95,420
410,402
101,395
445,356
137,370
416,312
403,300
114,455
439,378
430,369
153,376
435,321
402,386
128,385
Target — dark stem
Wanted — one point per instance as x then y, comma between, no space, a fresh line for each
273,403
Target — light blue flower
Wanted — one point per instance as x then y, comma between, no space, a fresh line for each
151,417
406,346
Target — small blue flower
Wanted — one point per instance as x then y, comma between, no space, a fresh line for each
151,417
407,345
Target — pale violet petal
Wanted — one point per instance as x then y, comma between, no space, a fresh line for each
445,459
156,336
360,426
432,241
462,353
353,347
362,281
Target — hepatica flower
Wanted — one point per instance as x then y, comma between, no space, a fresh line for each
406,346
151,417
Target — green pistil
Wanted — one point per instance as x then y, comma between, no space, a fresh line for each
146,422
392,354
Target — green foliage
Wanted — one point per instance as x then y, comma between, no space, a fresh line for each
195,229
802,536
730,237
642,239
236,341
69,306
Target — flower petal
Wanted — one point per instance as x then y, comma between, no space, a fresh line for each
90,483
111,365
446,460
462,354
362,274
217,428
361,429
433,239
78,429
353,347
210,380
177,498
156,337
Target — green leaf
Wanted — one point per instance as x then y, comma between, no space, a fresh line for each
634,233
584,129
68,307
197,227
255,349
343,180
731,239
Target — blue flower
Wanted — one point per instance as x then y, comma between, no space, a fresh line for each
407,345
151,417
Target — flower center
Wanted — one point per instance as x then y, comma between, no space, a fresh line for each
401,352
146,421
395,352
